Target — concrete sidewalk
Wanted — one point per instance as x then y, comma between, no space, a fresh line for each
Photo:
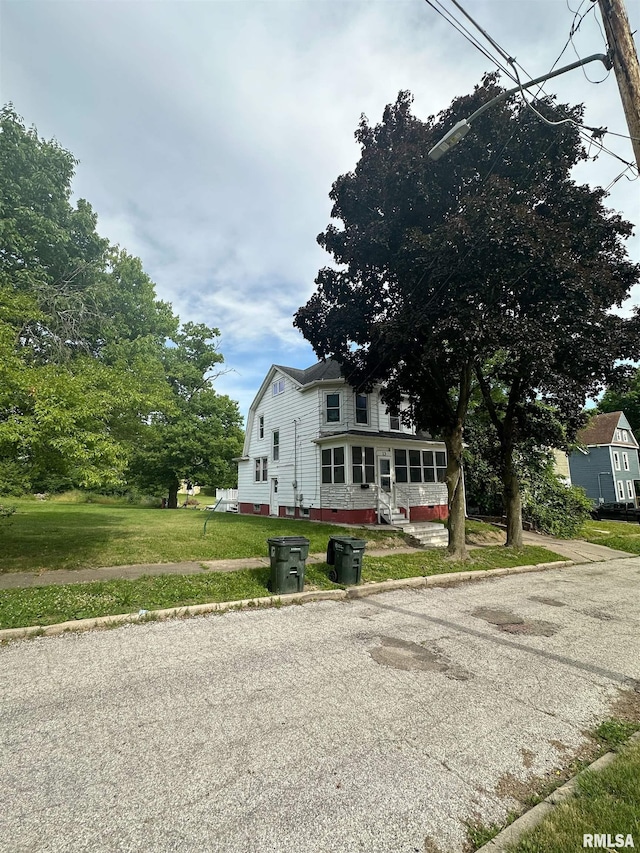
574,549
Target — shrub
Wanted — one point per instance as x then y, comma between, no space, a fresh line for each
553,507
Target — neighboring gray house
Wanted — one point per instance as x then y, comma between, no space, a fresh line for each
314,448
607,466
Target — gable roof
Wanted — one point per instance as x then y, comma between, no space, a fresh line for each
323,370
600,430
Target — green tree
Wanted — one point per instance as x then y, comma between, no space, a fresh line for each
625,398
492,257
82,334
198,434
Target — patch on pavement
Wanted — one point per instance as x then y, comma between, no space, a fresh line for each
408,656
511,623
552,602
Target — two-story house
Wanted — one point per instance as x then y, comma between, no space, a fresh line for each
606,465
314,448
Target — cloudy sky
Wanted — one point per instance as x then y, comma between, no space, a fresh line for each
209,133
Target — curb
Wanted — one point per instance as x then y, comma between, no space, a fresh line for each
353,592
529,820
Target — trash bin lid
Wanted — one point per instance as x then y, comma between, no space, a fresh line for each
288,540
350,540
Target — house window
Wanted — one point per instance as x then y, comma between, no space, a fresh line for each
363,465
261,469
616,460
625,461
290,510
261,426
630,493
257,507
276,445
618,435
333,408
264,469
333,465
426,466
278,387
304,511
625,435
257,473
620,486
394,422
362,409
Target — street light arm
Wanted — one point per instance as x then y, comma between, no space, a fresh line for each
463,127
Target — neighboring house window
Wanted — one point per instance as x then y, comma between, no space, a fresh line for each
276,445
333,408
394,422
620,486
333,465
415,466
264,468
616,460
630,493
618,435
362,409
363,465
261,426
278,387
625,435
625,461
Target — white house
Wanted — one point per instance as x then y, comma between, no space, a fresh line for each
316,449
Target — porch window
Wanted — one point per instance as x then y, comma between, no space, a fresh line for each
333,465
333,408
363,464
426,466
276,445
362,409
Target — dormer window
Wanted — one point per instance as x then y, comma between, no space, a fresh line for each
618,435
394,422
278,387
333,408
362,409
625,435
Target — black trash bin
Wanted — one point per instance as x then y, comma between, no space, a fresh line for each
345,554
288,555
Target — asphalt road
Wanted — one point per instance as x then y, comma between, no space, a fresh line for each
368,725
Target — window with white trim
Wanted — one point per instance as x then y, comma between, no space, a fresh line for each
260,473
625,435
620,487
363,467
257,470
332,411
625,461
616,460
264,469
275,446
362,409
333,465
420,466
618,435
278,387
261,426
630,492
394,422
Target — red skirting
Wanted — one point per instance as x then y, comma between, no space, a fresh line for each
439,512
344,516
248,509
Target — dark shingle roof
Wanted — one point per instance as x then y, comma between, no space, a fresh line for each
600,430
328,369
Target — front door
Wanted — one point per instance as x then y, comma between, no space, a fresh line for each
384,469
273,500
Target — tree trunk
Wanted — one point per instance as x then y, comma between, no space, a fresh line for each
173,495
455,489
512,500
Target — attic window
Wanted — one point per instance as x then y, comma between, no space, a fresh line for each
278,387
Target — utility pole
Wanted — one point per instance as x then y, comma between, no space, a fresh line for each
625,64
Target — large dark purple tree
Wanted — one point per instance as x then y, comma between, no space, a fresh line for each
490,266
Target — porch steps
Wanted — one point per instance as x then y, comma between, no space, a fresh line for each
427,534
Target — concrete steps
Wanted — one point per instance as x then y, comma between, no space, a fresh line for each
427,534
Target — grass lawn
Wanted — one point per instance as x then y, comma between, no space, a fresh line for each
606,803
47,605
621,535
54,535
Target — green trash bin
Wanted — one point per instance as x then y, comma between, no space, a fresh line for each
345,554
288,555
